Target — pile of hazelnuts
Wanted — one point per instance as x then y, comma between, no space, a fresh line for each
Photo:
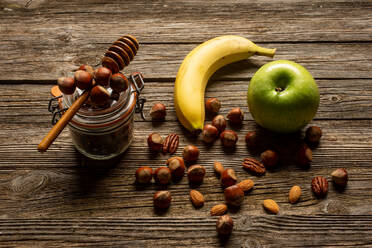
98,81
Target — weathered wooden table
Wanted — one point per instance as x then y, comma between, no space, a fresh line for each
59,199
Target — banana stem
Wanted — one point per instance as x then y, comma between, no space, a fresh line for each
265,51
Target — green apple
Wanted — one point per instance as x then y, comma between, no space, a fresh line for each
283,96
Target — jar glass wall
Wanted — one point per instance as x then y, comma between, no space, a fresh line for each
103,133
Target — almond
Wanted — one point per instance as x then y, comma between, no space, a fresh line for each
294,194
271,206
197,198
246,185
218,168
218,210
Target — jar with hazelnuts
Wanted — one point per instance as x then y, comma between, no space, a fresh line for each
103,127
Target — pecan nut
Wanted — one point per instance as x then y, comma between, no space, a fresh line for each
171,143
319,185
254,166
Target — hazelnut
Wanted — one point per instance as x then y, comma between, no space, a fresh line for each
144,175
115,95
212,105
88,69
99,95
229,138
234,195
235,116
102,76
228,178
196,174
304,155
155,142
340,177
162,199
119,82
162,175
224,225
66,85
313,134
251,139
83,79
269,158
176,166
158,111
219,122
190,153
210,133
218,168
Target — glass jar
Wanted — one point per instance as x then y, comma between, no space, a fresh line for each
107,132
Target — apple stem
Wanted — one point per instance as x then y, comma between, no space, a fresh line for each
278,89
265,51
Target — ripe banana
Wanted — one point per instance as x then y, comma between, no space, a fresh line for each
199,65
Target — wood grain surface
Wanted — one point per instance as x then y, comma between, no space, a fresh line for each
62,199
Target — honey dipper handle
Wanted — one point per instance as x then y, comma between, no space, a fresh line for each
60,125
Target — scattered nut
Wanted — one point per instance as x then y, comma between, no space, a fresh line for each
190,153
99,96
234,195
158,111
162,175
144,175
88,69
294,194
176,166
271,206
212,105
155,142
235,116
269,158
228,178
196,198
253,166
66,85
340,177
83,79
319,185
119,82
246,185
224,225
162,199
171,143
313,134
196,174
218,168
229,138
210,133
219,122
218,210
251,139
304,156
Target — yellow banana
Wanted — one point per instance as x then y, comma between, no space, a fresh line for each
199,65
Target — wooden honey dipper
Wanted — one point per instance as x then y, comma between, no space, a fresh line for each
118,55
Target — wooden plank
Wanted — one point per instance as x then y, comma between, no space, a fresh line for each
249,231
340,99
67,185
41,60
190,21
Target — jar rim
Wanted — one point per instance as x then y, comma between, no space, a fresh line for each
108,117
